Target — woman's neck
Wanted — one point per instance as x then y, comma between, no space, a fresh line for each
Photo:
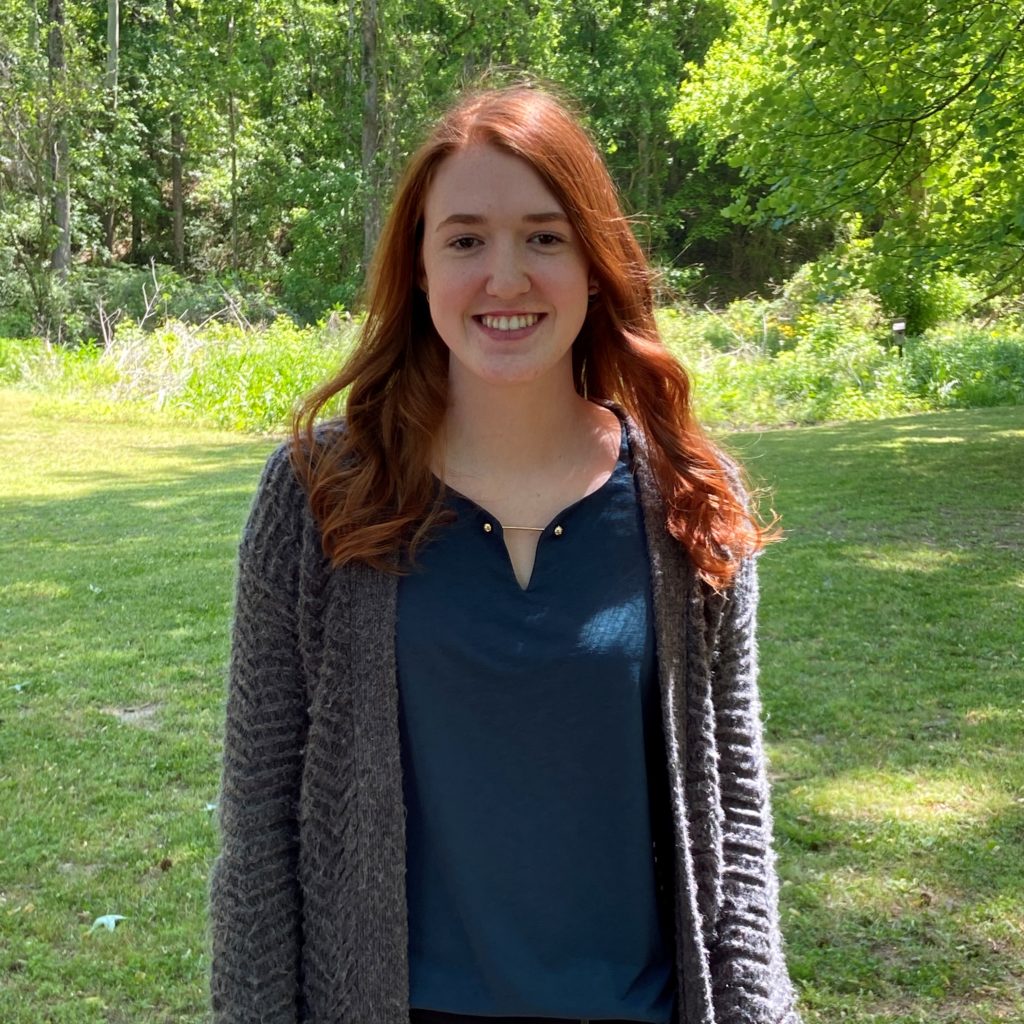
515,430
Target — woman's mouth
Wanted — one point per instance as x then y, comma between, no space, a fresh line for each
516,322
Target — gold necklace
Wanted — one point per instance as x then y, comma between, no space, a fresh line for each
557,531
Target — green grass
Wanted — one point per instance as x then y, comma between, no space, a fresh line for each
893,667
116,569
892,639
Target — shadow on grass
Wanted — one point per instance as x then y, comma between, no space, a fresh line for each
892,639
124,571
888,912
892,645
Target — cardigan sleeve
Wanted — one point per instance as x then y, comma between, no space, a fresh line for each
750,982
255,909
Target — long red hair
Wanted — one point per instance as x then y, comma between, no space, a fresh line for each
370,485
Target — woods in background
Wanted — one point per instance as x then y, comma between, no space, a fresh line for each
249,146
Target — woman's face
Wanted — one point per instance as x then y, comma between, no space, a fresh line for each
503,270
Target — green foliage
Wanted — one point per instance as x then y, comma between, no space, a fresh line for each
923,299
790,362
964,367
794,119
921,296
251,382
19,358
905,113
322,269
95,298
264,104
219,373
755,362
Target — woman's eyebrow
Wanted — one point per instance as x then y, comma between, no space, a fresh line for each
546,218
529,218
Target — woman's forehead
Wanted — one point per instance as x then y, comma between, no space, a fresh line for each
482,182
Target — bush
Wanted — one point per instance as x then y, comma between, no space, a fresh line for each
19,359
923,295
220,374
962,366
754,363
775,362
251,381
95,298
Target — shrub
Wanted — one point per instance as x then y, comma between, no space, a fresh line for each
251,381
826,364
19,358
785,364
95,298
923,294
962,366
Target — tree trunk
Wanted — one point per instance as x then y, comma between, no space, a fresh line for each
136,233
113,48
113,55
177,190
371,130
232,133
350,63
177,184
60,178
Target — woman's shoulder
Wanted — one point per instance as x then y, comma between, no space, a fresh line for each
281,474
280,506
281,501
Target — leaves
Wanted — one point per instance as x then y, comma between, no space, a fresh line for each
905,113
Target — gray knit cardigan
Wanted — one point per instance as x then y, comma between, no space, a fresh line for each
308,905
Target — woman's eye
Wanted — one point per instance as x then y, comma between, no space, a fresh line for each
464,242
546,238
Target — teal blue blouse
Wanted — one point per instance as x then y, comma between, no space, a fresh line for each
532,761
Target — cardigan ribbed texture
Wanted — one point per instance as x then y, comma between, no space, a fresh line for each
308,904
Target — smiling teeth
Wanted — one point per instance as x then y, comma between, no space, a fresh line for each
510,323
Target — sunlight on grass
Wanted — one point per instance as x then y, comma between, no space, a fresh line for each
34,590
910,439
918,560
879,891
980,716
909,798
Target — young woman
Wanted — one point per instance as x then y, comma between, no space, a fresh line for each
493,749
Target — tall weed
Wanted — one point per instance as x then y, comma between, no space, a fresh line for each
780,362
756,362
961,366
219,374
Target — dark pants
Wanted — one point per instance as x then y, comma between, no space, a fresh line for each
440,1017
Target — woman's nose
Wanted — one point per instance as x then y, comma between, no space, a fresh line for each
507,274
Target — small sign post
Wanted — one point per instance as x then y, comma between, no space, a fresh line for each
899,328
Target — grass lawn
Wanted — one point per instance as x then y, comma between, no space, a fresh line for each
892,665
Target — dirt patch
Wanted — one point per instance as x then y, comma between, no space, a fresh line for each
142,716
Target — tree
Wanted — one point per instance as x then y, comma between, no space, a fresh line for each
258,139
371,128
111,90
904,114
177,167
57,140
